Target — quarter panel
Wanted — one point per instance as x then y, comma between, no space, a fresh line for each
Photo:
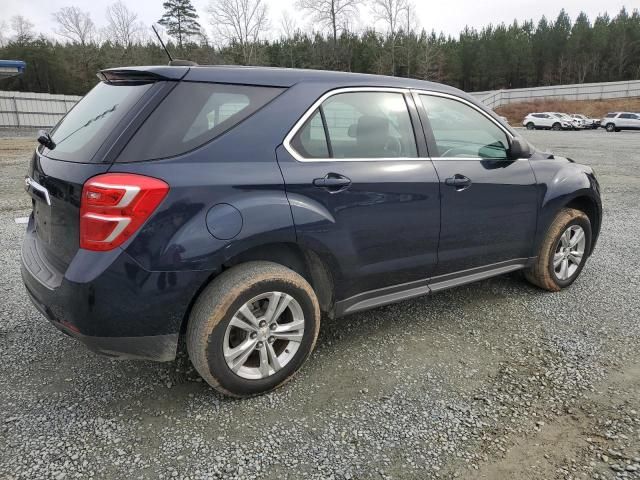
177,236
238,168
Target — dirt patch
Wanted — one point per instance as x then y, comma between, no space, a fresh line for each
595,439
15,147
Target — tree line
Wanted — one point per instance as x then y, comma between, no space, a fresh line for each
521,54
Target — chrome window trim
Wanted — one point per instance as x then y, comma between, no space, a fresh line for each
414,92
298,125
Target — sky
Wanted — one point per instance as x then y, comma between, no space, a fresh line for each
448,16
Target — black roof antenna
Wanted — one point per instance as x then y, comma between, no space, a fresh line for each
162,43
172,63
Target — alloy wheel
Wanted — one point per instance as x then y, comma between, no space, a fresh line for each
263,335
569,252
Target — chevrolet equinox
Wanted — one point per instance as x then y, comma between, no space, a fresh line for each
231,206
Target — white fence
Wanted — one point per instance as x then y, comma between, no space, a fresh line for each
581,91
26,109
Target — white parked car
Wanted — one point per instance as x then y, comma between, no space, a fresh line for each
586,121
547,120
616,121
574,122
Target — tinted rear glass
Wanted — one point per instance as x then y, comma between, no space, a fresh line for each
83,130
311,141
192,115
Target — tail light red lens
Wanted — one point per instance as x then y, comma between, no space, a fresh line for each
114,206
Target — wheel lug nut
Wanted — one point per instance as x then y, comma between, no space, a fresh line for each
272,339
253,335
273,326
262,324
259,345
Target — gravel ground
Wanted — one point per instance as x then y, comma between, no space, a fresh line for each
491,380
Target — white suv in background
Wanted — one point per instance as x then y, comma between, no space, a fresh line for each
574,123
586,121
616,121
546,120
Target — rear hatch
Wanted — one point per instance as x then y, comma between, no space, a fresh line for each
84,142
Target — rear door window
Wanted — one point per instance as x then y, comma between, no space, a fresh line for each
369,125
83,130
358,125
192,115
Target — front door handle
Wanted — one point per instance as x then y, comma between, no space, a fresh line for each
459,181
333,182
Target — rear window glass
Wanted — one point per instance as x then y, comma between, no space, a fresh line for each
192,115
83,130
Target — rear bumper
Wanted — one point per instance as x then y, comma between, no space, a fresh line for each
159,348
118,308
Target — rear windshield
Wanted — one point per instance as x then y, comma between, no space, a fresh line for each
83,130
192,115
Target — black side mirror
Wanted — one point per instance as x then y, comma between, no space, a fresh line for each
519,149
45,139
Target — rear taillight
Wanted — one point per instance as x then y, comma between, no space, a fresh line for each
114,206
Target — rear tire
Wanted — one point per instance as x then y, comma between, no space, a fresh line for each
556,127
610,127
563,252
237,343
531,126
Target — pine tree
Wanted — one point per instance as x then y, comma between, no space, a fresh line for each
180,20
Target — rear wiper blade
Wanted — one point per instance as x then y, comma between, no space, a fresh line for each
89,122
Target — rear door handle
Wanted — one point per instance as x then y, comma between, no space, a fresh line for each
459,181
333,182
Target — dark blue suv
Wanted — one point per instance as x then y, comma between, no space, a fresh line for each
233,205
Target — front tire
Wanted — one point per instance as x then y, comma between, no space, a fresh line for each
530,126
556,127
610,127
252,328
563,251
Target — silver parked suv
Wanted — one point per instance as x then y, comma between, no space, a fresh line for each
616,121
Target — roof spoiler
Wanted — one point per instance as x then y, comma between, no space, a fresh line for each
143,74
128,76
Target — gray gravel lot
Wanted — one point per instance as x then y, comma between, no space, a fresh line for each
492,380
